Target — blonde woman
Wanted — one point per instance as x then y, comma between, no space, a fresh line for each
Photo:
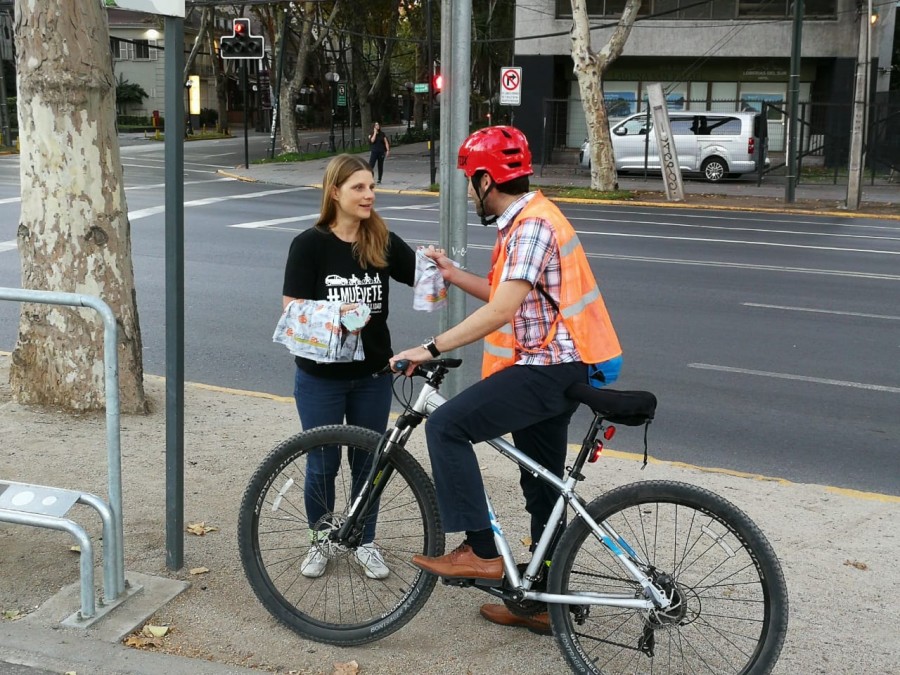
349,255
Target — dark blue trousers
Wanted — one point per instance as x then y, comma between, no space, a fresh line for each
527,401
364,402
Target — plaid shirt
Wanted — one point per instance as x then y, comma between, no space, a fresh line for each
532,254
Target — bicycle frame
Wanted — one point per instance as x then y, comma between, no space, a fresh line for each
429,400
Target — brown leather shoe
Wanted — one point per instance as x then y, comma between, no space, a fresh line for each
500,614
461,563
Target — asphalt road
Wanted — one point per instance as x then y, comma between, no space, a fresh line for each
772,341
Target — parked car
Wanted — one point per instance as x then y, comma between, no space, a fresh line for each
716,145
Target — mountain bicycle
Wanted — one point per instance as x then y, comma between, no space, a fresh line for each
654,576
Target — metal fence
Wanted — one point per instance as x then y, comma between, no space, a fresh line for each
824,132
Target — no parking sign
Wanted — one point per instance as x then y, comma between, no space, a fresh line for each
510,85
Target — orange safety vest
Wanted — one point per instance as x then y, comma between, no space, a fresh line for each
581,306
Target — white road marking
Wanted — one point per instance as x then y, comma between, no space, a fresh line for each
744,266
10,200
801,378
736,241
157,186
822,311
153,210
752,229
275,221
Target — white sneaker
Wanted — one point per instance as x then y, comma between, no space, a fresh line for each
314,564
372,563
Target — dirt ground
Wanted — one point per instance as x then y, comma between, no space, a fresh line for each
838,549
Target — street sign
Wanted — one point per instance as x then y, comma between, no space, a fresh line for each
510,85
165,7
342,95
420,88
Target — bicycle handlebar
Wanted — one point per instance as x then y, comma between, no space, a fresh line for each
422,369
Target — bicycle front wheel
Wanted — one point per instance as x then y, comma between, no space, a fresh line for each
321,590
729,608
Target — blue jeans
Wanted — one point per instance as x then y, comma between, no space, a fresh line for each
364,402
527,401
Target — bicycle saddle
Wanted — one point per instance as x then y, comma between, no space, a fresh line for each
631,408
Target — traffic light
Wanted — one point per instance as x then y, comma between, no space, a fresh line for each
241,44
437,83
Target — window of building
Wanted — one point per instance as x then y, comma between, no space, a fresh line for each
122,50
713,9
143,51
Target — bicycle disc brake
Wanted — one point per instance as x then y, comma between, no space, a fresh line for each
528,608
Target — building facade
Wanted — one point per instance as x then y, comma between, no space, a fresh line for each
136,42
723,55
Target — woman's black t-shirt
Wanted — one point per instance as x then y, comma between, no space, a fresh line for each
322,267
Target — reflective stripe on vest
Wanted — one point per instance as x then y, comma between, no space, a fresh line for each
581,306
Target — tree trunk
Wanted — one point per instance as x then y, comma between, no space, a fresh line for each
74,234
218,66
589,69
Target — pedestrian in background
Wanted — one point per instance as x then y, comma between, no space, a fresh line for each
348,256
380,148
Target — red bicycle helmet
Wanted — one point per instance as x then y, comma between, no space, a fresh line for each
501,151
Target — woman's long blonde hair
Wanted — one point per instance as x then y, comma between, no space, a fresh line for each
371,246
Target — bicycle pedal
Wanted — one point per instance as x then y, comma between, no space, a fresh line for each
461,582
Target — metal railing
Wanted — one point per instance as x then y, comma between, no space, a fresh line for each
41,506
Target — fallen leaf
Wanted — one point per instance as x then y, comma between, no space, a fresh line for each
349,668
526,541
150,630
75,549
71,672
142,642
12,614
199,570
201,528
858,565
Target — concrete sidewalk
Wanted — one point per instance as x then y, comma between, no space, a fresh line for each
839,550
408,169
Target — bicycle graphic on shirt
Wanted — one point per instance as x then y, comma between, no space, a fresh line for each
650,577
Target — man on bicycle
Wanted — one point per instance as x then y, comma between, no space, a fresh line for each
544,320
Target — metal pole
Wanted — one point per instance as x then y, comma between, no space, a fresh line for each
331,145
245,85
456,44
793,101
860,103
174,200
4,110
276,102
429,32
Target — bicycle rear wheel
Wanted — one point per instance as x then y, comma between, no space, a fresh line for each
342,606
730,604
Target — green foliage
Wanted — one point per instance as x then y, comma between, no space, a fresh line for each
209,118
129,93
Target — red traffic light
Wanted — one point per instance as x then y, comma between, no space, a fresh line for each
240,26
438,83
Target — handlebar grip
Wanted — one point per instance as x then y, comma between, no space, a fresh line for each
400,366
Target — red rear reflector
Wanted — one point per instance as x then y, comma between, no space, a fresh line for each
595,454
609,432
751,146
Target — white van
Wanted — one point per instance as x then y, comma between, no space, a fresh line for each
717,145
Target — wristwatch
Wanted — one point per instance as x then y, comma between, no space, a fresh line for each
432,347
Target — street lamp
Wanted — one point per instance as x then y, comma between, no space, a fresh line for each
188,127
409,107
333,78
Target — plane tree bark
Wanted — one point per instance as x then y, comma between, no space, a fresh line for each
590,66
73,233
